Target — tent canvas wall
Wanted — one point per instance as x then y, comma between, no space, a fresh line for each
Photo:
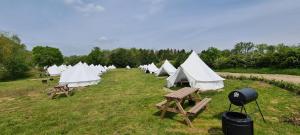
166,69
197,73
79,75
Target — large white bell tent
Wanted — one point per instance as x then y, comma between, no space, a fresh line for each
151,68
128,67
79,75
166,69
53,71
197,73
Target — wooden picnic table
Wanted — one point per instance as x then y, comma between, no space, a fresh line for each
179,97
60,89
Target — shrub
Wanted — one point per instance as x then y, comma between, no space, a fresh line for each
281,84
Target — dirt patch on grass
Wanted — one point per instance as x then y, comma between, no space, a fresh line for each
2,99
33,94
287,78
293,119
274,101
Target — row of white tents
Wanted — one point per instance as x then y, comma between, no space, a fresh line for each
79,75
193,70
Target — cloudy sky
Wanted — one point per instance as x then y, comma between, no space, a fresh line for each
76,26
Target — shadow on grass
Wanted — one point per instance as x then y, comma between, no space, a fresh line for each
215,131
171,115
218,115
60,96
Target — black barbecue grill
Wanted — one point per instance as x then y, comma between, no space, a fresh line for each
238,123
242,97
235,123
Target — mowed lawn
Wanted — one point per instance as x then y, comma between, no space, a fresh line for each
124,103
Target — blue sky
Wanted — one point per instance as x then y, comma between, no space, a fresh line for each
76,26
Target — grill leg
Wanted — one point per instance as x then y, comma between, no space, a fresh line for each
229,107
245,109
260,111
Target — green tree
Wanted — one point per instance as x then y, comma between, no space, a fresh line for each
74,59
210,56
47,56
96,57
121,57
14,60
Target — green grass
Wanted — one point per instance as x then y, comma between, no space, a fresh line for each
292,71
124,103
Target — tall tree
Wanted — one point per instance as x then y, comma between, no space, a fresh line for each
47,56
14,60
96,57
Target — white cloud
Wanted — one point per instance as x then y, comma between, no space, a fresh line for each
84,7
153,7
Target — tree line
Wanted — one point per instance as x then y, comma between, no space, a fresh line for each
16,60
133,57
250,55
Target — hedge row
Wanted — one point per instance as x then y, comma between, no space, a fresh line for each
281,84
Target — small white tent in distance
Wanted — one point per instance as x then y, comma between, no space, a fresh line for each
166,69
79,75
53,71
197,73
128,67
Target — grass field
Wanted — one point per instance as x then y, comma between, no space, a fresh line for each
292,71
124,103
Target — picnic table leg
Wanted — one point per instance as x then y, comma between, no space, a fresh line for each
186,118
198,96
163,112
182,101
67,93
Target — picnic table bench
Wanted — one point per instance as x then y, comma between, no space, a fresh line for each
179,97
58,90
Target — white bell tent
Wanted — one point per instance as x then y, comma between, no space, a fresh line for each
151,68
128,67
197,73
62,68
166,69
79,75
53,71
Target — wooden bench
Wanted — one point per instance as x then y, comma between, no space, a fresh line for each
161,104
200,105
